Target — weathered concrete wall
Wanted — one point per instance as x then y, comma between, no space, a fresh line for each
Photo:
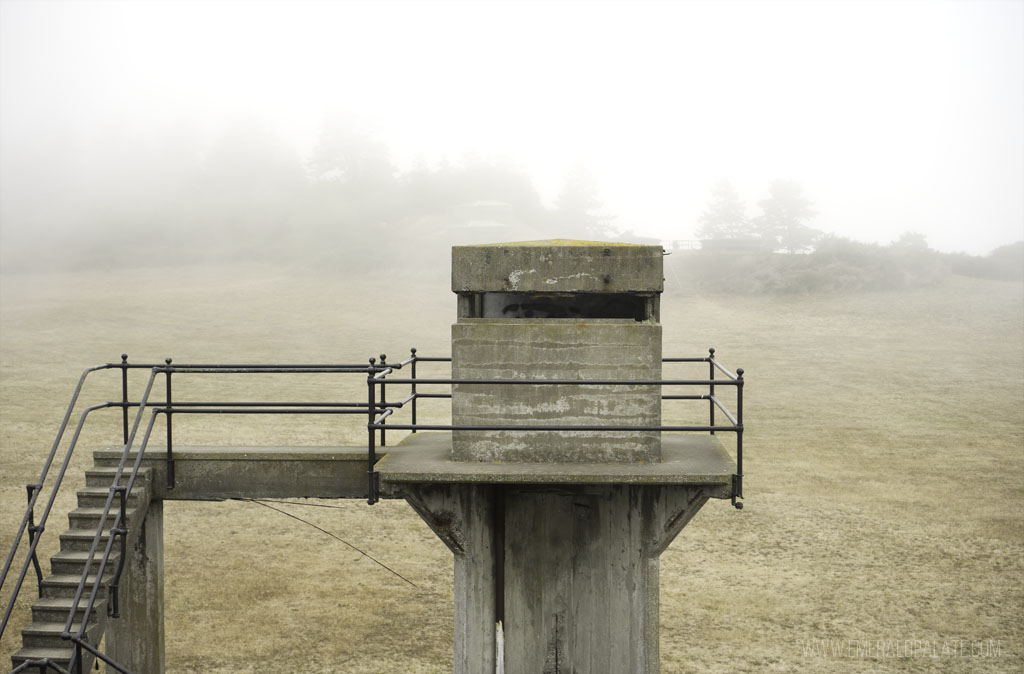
136,638
556,349
572,572
464,517
557,266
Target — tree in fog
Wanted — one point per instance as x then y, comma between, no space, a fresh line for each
347,155
577,207
726,215
249,185
911,241
500,179
473,179
352,187
784,216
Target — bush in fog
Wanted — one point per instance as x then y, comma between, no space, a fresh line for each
1005,263
836,265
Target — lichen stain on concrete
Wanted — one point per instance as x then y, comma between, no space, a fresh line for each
551,662
516,275
578,275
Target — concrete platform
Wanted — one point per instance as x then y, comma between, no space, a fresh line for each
214,473
687,459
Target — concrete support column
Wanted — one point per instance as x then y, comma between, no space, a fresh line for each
581,575
136,639
463,516
571,570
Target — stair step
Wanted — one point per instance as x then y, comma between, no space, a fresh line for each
96,497
61,656
47,635
65,585
81,539
103,476
56,609
71,562
106,458
41,639
89,518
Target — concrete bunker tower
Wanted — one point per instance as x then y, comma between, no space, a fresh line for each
556,489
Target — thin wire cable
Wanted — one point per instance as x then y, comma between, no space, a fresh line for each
299,503
334,536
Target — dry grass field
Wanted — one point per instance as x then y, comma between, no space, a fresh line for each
884,522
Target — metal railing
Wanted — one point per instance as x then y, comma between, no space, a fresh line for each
377,408
379,411
121,493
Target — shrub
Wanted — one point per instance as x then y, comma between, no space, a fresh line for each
1005,263
837,265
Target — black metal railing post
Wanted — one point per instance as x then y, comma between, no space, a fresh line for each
412,386
371,406
33,533
711,387
738,480
383,398
113,608
124,395
167,412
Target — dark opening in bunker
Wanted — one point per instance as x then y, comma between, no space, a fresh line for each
558,305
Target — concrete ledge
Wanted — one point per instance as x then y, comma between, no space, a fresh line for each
686,460
216,473
557,266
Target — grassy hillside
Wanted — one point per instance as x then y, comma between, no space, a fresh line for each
885,472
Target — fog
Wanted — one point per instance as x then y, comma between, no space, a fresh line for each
273,129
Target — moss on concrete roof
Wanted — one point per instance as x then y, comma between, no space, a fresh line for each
559,242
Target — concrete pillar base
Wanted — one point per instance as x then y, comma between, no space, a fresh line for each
570,570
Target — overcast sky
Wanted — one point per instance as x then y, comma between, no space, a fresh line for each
894,116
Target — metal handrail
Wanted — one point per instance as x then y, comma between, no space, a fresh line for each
106,512
567,382
37,486
30,556
378,409
43,664
167,407
378,379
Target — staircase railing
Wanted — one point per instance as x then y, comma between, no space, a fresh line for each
34,489
118,530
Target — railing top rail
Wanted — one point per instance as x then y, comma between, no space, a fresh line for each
220,366
106,512
507,427
270,369
731,375
564,382
671,359
44,473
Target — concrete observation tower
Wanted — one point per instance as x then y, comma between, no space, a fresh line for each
556,486
557,533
